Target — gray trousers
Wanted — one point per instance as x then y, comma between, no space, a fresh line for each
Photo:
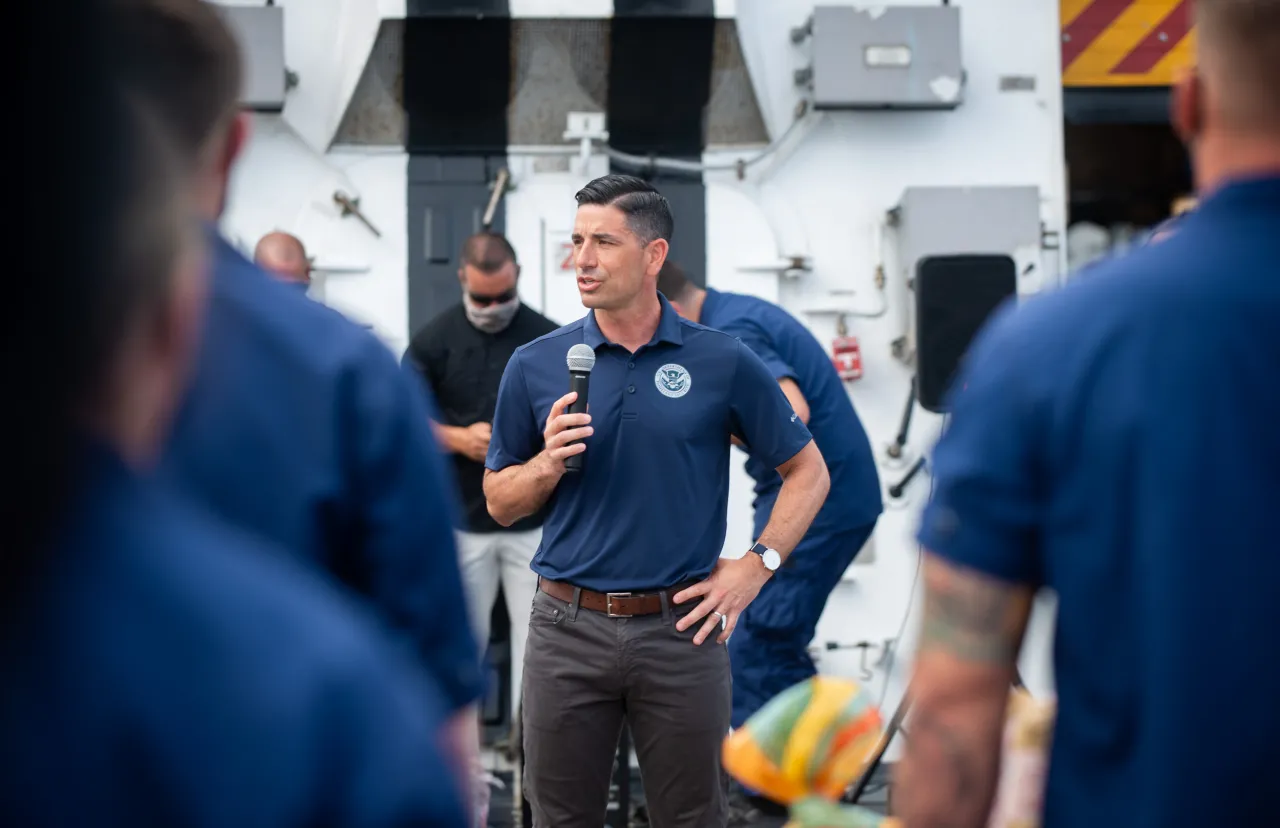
584,673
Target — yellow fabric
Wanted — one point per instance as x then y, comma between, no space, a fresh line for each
818,719
811,739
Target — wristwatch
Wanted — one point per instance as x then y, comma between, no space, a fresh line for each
772,560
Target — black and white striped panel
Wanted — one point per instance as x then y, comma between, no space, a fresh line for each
659,84
457,93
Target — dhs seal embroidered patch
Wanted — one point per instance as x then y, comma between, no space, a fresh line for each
672,380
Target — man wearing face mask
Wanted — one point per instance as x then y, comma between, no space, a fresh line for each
461,354
283,256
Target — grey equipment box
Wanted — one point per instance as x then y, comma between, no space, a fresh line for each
887,57
946,221
260,32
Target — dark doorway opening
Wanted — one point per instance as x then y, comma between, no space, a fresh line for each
1124,173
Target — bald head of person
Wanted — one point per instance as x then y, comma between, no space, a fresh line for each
283,255
1227,109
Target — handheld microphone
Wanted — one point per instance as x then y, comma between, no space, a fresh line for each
581,359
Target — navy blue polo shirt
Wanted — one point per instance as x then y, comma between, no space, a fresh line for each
162,669
1119,442
648,510
790,351
301,427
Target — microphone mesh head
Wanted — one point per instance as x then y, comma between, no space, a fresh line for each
581,358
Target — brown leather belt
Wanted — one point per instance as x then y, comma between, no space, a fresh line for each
612,604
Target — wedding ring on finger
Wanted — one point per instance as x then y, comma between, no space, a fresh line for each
724,620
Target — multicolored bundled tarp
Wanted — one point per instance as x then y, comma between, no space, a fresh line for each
821,813
805,747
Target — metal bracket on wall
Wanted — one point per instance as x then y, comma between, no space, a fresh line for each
351,207
336,269
800,33
499,190
788,267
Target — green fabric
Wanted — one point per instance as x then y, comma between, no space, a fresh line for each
772,724
819,813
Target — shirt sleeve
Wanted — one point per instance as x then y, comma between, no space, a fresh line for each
422,358
754,338
516,437
378,728
761,414
988,493
402,505
388,743
412,368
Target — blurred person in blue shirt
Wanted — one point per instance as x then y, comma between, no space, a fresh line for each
1117,442
300,425
770,652
160,669
284,256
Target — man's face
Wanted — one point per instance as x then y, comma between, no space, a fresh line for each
487,289
613,264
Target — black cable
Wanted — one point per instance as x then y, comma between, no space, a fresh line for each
902,628
896,489
895,448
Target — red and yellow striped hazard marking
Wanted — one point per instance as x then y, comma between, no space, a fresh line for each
1125,42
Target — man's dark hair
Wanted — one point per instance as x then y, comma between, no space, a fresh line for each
181,57
488,252
123,226
66,82
648,213
1243,38
673,283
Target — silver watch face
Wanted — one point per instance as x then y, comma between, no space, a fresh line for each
772,560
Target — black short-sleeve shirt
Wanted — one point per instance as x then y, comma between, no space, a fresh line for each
464,366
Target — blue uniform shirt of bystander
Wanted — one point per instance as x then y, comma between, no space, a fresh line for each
790,351
1119,442
164,669
302,428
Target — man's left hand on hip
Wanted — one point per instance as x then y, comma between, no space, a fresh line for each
732,585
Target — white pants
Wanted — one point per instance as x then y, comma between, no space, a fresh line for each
493,558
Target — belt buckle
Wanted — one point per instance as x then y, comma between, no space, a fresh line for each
608,604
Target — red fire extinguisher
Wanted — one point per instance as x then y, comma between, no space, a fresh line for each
846,354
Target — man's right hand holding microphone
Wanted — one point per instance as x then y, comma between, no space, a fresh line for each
563,436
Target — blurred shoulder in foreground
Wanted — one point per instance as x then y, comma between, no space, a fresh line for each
164,670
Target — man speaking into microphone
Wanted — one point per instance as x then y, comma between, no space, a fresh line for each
634,603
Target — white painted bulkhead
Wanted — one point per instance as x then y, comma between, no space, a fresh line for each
821,195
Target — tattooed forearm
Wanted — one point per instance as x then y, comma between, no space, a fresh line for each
973,627
972,616
942,752
947,776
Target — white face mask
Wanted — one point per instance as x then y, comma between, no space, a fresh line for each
490,318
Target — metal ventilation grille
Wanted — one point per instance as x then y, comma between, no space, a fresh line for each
375,116
557,66
733,115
